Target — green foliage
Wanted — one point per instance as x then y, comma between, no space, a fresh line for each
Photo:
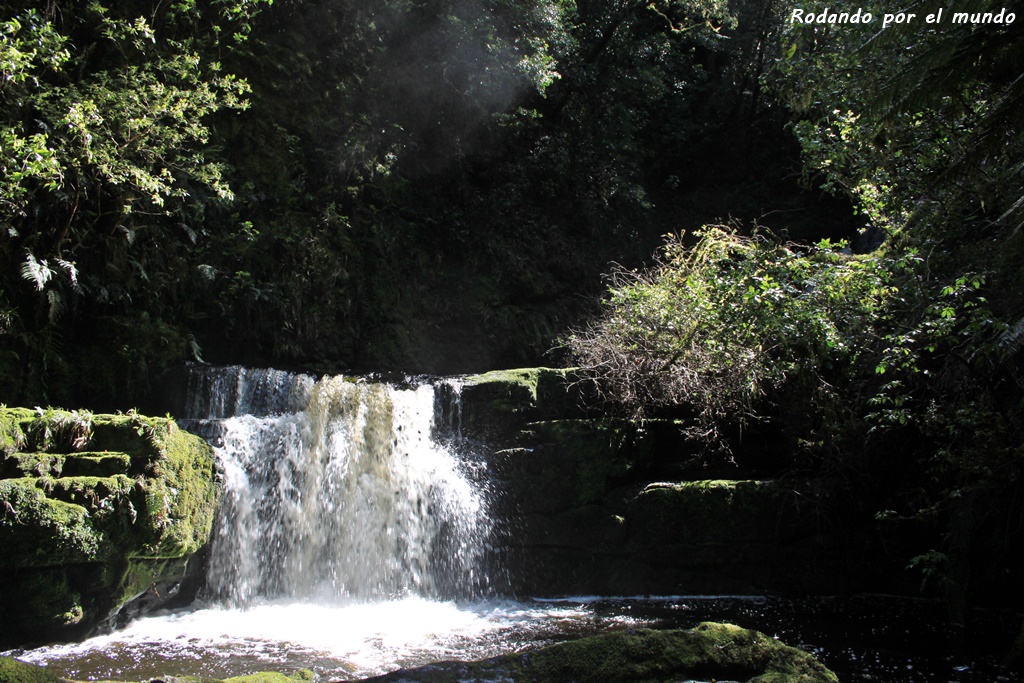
873,369
908,350
59,431
455,172
424,185
105,142
918,123
735,321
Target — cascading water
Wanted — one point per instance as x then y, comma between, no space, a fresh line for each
336,490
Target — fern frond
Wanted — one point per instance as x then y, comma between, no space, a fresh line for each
71,270
35,271
57,305
1012,339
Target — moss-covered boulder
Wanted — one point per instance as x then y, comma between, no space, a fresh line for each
709,652
97,512
13,671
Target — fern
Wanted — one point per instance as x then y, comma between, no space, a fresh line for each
57,305
1012,339
36,271
71,270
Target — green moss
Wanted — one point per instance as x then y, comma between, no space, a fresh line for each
42,600
36,531
57,431
273,677
12,436
13,671
521,383
63,431
139,576
92,493
32,465
96,464
139,435
710,651
135,507
642,655
495,404
181,496
510,388
51,597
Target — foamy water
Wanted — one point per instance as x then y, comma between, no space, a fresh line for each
338,642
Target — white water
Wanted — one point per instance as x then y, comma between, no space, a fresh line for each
352,496
339,642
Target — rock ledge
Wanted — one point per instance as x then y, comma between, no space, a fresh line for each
99,516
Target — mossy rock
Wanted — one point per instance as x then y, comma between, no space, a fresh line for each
273,677
496,403
31,465
133,497
95,464
709,652
517,387
598,452
12,435
732,511
38,531
140,435
51,597
13,671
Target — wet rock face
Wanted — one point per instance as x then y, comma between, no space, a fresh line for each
589,504
709,652
98,514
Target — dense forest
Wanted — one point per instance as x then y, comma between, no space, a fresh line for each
805,230
426,187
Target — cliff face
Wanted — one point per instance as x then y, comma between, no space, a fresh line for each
100,515
592,504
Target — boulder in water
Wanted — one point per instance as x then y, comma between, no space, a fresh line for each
711,651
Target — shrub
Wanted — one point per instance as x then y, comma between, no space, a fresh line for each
732,321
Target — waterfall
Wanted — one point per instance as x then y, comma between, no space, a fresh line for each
338,489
